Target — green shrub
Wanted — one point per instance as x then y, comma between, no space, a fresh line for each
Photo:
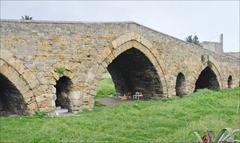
40,114
60,70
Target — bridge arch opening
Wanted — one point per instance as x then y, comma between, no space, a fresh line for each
132,72
180,85
230,81
63,88
11,100
207,79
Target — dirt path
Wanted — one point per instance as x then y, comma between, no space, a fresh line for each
111,101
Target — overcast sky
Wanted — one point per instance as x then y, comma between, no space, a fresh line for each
179,19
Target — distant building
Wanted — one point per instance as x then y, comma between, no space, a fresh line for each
218,47
214,46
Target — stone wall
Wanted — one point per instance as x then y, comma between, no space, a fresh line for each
234,54
31,52
213,46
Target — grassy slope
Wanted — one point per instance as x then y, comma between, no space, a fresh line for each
172,120
105,88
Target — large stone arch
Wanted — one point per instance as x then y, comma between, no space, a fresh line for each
134,40
25,87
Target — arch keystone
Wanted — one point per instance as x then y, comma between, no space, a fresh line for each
133,36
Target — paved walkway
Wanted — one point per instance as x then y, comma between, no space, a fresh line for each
110,100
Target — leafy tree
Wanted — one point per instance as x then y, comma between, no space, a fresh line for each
27,17
189,39
193,40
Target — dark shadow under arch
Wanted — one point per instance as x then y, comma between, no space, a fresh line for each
207,79
11,100
63,88
132,72
180,85
230,81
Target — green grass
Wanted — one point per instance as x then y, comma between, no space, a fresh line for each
165,121
105,88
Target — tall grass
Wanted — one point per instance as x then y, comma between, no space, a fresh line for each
167,121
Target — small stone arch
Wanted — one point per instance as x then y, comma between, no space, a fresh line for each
180,85
63,89
230,81
207,78
23,86
214,67
128,42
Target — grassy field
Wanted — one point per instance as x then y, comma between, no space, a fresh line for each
166,121
105,88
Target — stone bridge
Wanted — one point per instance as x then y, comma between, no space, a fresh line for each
46,64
